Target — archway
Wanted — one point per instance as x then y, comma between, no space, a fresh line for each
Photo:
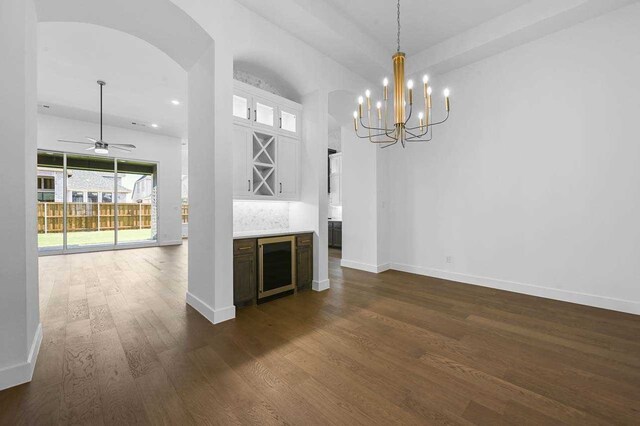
171,30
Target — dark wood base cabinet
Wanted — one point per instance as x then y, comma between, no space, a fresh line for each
245,268
335,234
304,261
245,272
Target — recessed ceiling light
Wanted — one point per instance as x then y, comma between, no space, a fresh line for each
154,125
175,102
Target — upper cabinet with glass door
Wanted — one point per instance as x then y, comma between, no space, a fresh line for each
260,109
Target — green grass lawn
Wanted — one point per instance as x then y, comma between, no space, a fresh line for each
93,237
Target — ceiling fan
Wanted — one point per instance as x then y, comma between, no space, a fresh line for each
99,146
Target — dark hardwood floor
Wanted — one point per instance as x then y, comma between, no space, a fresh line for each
121,347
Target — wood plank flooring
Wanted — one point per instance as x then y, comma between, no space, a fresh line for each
121,347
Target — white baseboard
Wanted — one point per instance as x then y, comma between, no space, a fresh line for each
22,373
628,306
320,285
345,263
215,316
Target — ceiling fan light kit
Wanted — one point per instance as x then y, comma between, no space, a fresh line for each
99,145
400,131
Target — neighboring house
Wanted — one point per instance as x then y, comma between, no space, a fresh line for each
143,190
83,186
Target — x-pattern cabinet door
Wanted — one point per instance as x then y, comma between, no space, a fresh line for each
264,164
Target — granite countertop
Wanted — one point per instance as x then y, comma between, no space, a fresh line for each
269,233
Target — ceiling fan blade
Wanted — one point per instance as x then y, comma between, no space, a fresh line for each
117,147
91,148
68,141
92,139
126,145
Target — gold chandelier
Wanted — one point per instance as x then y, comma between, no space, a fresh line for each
380,132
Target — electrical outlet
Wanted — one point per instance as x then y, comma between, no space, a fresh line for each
449,259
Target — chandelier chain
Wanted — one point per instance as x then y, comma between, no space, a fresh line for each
398,25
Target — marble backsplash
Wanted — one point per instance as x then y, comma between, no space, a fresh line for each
260,216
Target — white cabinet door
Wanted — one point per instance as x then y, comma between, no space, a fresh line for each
287,168
289,120
264,113
242,179
242,104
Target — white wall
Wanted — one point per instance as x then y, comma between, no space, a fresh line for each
532,185
20,330
165,150
359,202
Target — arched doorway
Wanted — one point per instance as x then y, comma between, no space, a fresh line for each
171,30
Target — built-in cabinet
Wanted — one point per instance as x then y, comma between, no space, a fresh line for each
266,141
335,234
304,261
245,273
245,268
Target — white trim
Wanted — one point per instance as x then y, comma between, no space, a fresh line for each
171,243
320,285
215,316
22,373
628,306
110,247
376,269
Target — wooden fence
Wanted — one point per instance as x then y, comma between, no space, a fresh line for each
93,217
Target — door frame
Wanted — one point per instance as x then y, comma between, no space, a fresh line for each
100,247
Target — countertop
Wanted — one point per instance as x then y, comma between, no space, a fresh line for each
269,233
335,220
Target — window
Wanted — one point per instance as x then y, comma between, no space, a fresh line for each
46,189
46,196
77,197
92,197
46,183
107,197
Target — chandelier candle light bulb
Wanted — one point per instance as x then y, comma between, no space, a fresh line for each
446,99
403,126
385,86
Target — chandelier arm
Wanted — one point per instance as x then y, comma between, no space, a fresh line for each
387,146
364,126
430,125
417,139
376,135
372,136
409,117
413,135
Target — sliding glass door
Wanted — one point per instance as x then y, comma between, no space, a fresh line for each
50,184
137,209
90,202
90,211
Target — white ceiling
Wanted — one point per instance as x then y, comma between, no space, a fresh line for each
141,80
424,23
